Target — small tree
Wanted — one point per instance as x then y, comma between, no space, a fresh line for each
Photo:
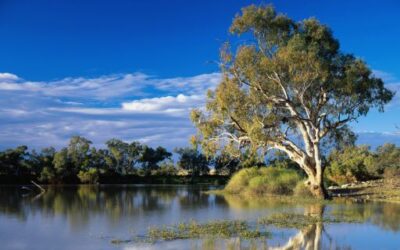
151,158
288,88
125,156
192,160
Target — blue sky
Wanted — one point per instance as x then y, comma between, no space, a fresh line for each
134,69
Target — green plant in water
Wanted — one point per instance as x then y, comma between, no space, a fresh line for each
217,229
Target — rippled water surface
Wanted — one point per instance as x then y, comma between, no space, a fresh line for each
91,217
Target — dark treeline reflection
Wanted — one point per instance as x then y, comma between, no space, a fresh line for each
78,204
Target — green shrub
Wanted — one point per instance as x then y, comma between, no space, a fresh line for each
47,175
89,176
269,180
241,180
391,173
352,164
302,190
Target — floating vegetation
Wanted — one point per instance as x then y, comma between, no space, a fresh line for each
226,229
216,229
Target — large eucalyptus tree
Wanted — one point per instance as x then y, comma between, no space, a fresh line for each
288,87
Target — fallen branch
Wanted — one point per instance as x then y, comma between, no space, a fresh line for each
38,186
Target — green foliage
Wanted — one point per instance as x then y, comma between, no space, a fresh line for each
350,165
62,163
390,173
90,176
266,180
124,157
192,160
301,190
194,230
150,158
354,164
284,55
387,160
166,168
47,175
13,161
224,163
81,162
78,152
288,78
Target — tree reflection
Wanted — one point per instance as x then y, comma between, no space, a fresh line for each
81,203
310,236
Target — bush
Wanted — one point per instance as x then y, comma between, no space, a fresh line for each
391,173
302,190
47,175
350,165
267,180
241,179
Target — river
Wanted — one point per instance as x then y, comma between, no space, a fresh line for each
93,217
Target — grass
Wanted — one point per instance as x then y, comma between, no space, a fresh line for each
300,190
261,181
387,190
227,229
194,230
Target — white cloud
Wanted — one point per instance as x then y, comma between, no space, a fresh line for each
162,104
8,77
108,87
192,85
130,107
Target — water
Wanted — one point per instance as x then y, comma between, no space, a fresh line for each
90,217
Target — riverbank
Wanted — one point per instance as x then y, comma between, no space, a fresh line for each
387,190
384,190
130,179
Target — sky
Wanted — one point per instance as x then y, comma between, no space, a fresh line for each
133,70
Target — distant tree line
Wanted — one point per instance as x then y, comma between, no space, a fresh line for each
81,162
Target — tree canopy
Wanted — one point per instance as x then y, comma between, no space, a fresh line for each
288,88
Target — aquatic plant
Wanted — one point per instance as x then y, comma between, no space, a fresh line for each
217,229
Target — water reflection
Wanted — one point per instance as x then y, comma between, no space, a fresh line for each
79,203
114,210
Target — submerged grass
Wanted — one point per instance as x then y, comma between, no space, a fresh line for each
217,229
226,229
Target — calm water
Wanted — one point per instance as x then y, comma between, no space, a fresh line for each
89,217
